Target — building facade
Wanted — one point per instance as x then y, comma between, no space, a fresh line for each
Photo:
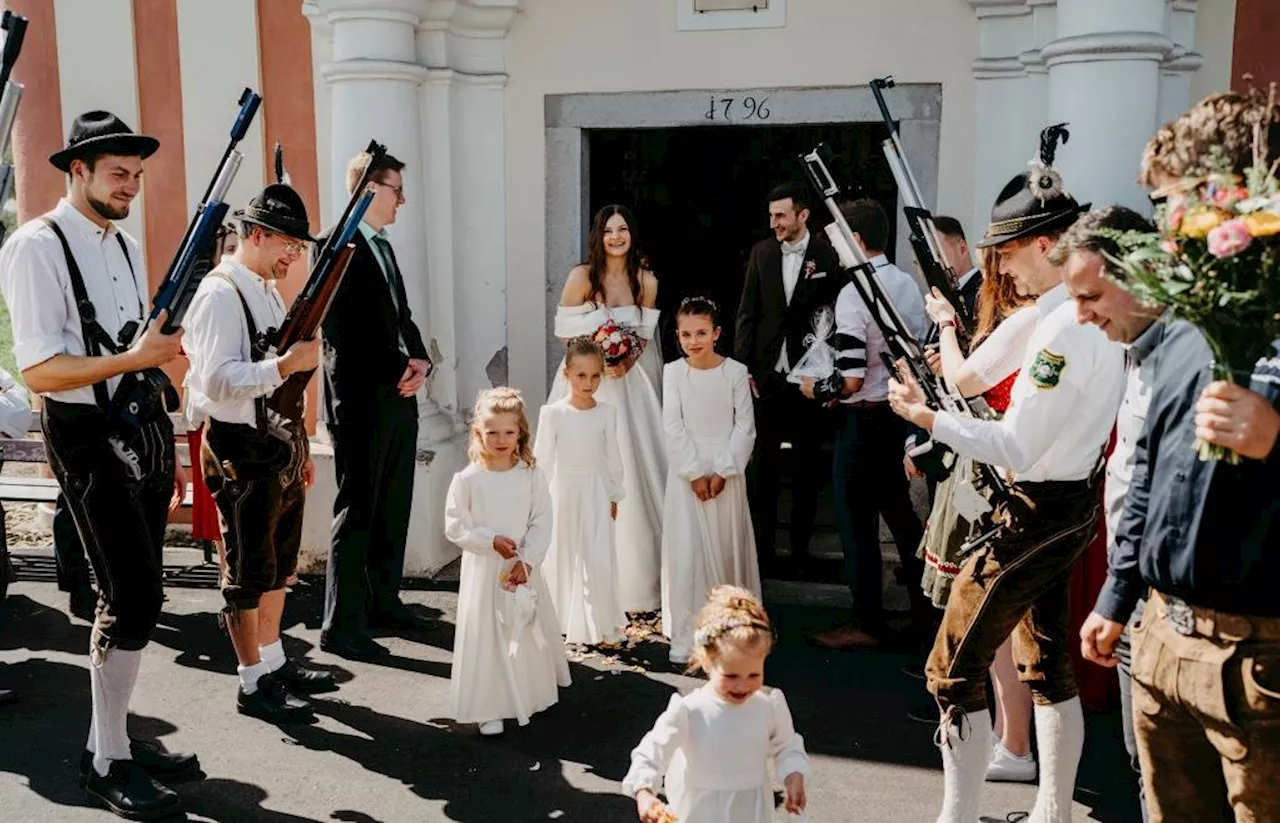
517,118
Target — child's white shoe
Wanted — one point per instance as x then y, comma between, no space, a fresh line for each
1007,767
492,728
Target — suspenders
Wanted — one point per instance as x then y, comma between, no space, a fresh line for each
257,348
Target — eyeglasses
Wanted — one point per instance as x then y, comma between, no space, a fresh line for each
290,245
399,190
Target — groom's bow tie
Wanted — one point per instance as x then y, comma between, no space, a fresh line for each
798,248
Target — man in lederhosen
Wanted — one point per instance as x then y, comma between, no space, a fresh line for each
1049,448
255,462
76,288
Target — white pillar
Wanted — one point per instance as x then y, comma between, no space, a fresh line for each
1104,79
374,78
1183,61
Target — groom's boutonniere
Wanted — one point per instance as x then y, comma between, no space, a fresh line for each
809,268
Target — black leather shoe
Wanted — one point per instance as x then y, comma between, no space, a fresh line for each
128,791
298,679
158,764
84,602
273,703
353,646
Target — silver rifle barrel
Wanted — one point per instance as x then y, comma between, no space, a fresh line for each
911,193
225,175
8,112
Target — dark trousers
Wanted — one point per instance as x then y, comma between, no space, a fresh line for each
68,552
1125,671
1206,709
783,413
258,485
1017,583
870,483
374,467
120,519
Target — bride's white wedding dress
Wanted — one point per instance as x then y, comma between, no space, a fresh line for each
637,397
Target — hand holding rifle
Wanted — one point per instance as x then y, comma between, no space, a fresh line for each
155,348
302,356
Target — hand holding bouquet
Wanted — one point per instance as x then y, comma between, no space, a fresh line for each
1215,259
618,341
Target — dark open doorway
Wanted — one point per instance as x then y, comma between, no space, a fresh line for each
699,196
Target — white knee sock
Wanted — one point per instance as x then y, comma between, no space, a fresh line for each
249,675
1060,730
111,684
966,751
272,655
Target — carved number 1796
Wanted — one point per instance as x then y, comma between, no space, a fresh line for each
737,108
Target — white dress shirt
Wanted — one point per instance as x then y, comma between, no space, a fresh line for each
224,381
1062,405
792,260
42,305
1130,422
859,341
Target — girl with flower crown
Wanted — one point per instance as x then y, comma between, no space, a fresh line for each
725,733
707,538
507,658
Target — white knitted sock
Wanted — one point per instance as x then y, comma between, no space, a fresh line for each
272,655
249,675
1060,731
966,750
111,684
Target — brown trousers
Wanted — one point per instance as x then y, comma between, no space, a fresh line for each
257,483
1017,583
1206,711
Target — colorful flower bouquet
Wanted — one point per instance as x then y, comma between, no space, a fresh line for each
618,341
1215,262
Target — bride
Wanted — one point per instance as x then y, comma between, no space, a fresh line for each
613,285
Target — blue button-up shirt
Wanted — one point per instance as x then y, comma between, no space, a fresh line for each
1207,532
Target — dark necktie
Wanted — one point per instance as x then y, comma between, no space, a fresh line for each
389,264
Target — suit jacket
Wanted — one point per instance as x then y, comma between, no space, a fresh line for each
766,322
361,358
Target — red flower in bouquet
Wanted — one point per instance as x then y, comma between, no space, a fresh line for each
616,340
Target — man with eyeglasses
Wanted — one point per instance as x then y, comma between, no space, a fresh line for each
374,365
255,463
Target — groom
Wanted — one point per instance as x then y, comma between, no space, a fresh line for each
791,278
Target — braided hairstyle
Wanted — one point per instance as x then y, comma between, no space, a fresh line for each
490,402
731,616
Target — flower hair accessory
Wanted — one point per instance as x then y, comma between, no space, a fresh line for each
698,298
707,635
1044,181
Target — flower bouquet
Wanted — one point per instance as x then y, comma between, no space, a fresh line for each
1215,262
618,341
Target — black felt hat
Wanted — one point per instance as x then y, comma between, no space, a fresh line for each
102,131
280,209
1034,201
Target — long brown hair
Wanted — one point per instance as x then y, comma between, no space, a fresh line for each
500,400
998,297
596,256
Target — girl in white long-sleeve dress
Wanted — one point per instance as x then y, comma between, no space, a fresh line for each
707,539
577,447
614,287
724,734
507,657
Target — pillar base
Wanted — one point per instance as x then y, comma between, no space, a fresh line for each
427,551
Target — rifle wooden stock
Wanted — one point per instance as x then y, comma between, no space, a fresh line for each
302,323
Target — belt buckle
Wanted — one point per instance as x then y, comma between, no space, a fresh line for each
1181,617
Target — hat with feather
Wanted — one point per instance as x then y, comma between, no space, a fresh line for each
1034,201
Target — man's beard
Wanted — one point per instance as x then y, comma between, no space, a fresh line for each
106,210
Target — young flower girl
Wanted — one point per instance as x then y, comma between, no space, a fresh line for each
507,657
707,539
577,447
724,733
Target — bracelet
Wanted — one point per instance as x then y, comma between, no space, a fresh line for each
945,324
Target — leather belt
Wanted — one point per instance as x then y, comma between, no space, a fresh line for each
866,404
1193,621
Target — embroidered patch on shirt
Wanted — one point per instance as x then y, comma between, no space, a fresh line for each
1046,369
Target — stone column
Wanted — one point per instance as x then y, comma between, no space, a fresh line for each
1183,60
373,79
1104,79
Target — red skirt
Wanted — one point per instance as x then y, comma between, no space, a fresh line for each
1099,688
204,512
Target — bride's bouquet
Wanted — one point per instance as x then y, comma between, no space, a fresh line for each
819,359
1215,262
618,341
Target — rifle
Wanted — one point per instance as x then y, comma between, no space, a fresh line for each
926,244
138,397
15,28
896,333
312,303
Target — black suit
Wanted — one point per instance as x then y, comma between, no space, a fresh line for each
766,322
375,436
